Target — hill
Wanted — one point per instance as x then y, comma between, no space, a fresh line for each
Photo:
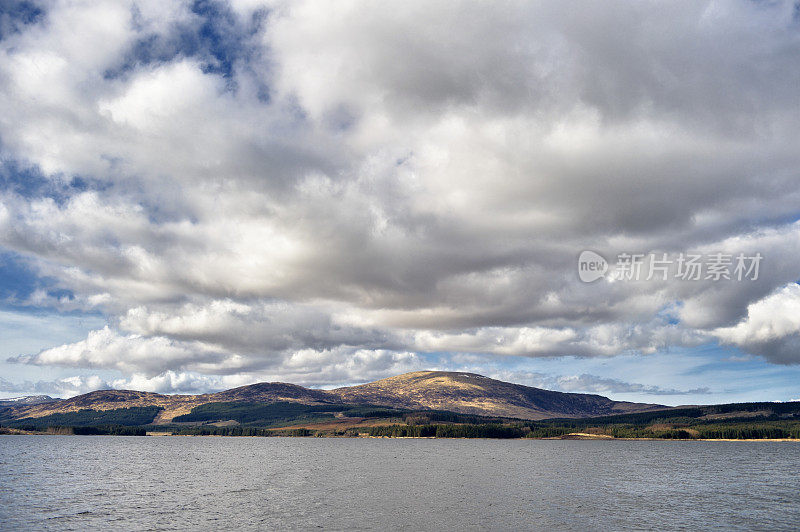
172,405
465,393
27,400
469,393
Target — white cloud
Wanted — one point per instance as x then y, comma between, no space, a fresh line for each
167,382
594,384
107,349
771,328
153,100
65,387
360,181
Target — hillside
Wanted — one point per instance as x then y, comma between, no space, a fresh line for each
469,393
173,405
465,393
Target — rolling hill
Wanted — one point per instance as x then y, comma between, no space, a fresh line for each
465,393
469,393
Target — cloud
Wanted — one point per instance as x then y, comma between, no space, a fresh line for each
600,340
239,186
167,382
771,328
257,327
595,384
155,361
132,353
66,387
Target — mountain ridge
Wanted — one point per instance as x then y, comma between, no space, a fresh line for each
461,392
27,400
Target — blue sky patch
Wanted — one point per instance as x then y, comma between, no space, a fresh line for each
216,37
15,14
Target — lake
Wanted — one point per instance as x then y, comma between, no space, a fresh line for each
202,483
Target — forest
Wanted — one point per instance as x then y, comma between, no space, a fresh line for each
128,417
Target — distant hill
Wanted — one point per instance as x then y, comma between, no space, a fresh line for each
465,393
27,400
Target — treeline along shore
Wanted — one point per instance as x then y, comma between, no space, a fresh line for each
740,421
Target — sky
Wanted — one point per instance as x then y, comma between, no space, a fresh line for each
197,195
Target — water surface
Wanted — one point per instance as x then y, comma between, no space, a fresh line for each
179,483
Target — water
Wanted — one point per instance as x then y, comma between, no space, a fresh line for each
179,483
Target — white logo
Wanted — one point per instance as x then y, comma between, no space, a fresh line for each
591,266
662,266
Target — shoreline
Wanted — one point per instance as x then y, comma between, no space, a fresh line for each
568,437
